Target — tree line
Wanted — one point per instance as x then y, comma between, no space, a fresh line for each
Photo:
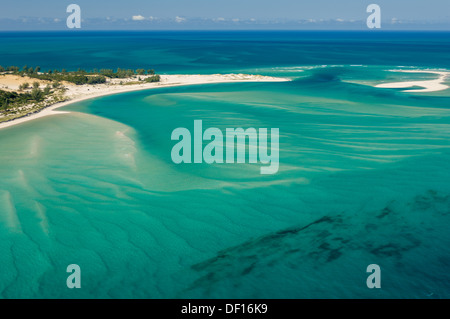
9,100
80,76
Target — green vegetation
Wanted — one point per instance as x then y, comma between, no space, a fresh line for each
74,77
47,90
153,78
12,68
15,105
80,76
24,86
36,94
9,100
130,83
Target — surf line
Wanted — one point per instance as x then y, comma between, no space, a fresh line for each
214,151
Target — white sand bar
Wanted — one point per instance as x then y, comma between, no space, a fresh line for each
428,85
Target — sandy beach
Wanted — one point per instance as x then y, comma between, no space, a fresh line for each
428,85
77,93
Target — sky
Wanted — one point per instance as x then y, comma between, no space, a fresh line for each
224,14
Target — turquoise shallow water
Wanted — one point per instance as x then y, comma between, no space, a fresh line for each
363,179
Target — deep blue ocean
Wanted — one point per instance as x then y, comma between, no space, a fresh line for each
363,179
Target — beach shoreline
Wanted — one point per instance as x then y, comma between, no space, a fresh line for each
78,93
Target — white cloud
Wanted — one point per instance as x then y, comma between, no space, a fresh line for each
179,19
138,18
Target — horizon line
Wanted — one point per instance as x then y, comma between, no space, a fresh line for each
228,30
